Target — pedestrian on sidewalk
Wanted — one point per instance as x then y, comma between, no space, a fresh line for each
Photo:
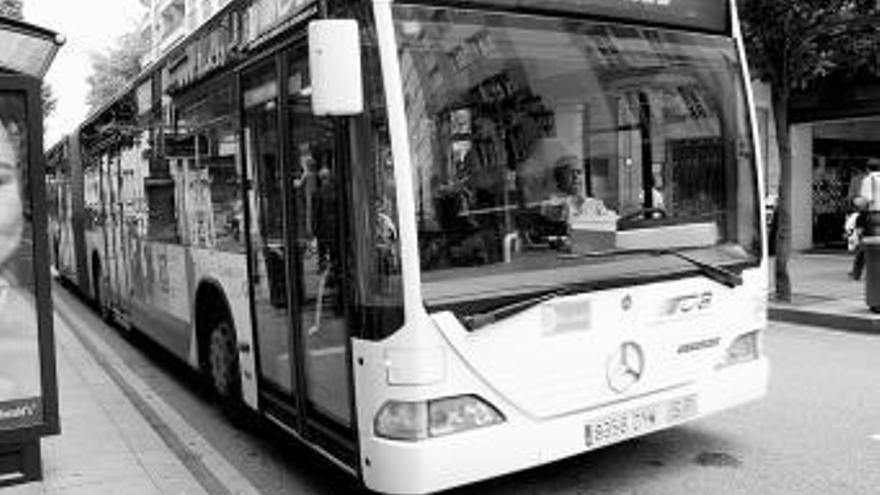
854,228
861,195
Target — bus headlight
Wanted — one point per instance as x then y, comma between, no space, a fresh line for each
413,421
455,414
402,421
743,349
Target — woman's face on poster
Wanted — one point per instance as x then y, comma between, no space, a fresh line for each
10,197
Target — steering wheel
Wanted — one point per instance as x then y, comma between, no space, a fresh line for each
644,213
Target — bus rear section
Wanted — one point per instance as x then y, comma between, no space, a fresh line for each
584,199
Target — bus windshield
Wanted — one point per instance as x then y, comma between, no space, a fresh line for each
535,140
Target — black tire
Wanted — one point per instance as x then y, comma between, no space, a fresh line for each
56,252
98,291
96,281
222,369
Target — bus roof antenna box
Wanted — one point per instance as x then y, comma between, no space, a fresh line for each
335,67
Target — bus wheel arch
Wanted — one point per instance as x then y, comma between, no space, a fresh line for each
218,346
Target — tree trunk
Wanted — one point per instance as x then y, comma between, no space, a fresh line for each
784,200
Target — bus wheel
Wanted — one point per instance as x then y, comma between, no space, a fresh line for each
98,290
223,369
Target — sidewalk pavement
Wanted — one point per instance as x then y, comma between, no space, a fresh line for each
824,295
106,445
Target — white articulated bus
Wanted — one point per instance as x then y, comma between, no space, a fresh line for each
438,241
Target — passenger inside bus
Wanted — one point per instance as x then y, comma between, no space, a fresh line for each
325,222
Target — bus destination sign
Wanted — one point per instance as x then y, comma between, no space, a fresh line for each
704,15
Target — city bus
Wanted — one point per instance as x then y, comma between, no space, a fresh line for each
436,241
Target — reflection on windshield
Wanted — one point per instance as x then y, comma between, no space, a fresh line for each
532,136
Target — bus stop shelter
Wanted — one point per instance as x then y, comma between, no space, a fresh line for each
28,387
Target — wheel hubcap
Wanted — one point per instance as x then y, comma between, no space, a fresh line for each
221,360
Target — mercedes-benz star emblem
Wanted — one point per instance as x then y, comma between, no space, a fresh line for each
625,367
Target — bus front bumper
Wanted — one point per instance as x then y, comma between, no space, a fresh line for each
523,442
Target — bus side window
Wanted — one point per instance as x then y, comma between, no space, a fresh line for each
159,189
214,206
386,233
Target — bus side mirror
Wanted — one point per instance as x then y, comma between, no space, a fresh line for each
335,67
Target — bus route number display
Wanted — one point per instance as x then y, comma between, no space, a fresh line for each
704,15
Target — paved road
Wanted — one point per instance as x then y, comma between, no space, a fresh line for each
818,432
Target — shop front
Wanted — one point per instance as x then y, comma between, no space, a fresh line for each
835,134
842,151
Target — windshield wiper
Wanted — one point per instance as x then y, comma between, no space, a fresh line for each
719,274
477,320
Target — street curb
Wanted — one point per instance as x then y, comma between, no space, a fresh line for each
830,321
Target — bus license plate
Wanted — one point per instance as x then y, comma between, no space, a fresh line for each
629,424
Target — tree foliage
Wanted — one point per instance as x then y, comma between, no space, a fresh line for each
11,9
50,101
794,45
113,69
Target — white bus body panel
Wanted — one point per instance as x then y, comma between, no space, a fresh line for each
548,378
168,288
66,261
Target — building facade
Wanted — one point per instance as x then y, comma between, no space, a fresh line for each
835,134
167,22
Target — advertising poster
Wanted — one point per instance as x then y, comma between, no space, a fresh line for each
20,384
